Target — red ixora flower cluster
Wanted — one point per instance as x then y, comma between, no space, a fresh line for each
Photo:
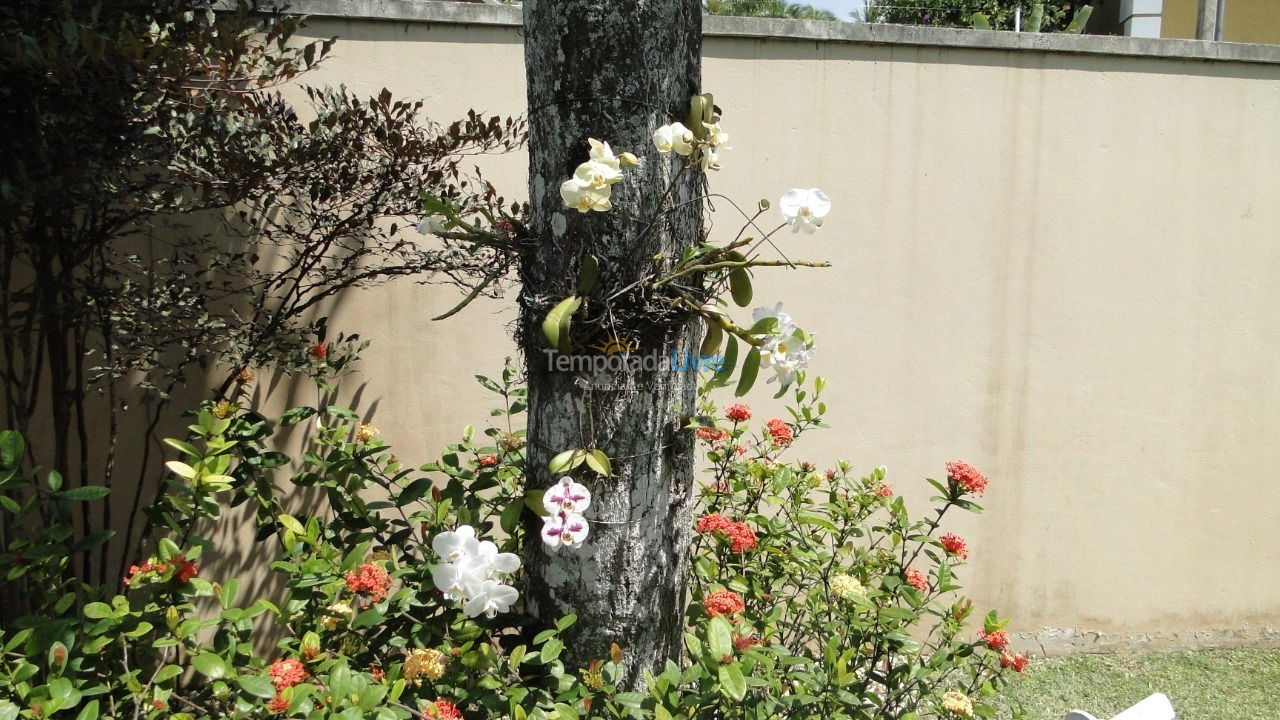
287,673
747,639
278,704
723,602
1017,663
967,477
955,546
917,580
714,436
369,578
442,710
738,413
488,461
883,491
186,569
320,350
780,432
998,640
741,537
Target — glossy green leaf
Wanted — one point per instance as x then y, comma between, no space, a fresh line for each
210,665
598,461
11,449
588,275
732,682
258,686
750,368
740,287
88,492
555,327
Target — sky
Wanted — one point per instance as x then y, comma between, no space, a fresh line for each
841,8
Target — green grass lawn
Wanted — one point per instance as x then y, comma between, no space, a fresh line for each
1203,685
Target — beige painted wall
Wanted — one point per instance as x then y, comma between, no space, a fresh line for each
1244,21
1062,268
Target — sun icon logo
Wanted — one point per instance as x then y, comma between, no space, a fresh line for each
612,344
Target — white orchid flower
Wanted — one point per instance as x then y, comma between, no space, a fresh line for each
567,496
433,225
785,373
787,355
495,563
471,572
490,598
454,545
785,326
780,348
564,529
455,579
804,209
584,198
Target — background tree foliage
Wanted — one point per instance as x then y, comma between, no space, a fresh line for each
162,205
767,8
1000,14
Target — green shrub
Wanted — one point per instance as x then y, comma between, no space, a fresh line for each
804,602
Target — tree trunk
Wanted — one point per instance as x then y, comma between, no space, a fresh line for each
614,71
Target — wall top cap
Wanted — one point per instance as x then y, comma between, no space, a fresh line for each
477,13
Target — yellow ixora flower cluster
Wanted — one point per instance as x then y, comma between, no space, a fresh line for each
429,663
845,586
591,185
956,702
338,615
365,433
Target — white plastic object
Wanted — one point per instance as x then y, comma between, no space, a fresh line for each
1155,707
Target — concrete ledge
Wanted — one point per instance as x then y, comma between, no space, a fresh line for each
1068,641
468,13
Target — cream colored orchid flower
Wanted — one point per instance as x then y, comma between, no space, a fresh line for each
598,174
584,198
717,137
673,138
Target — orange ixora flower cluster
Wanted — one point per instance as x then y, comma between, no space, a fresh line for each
966,477
723,602
186,569
369,578
917,580
780,432
741,537
287,673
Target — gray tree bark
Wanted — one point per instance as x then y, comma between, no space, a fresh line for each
614,70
